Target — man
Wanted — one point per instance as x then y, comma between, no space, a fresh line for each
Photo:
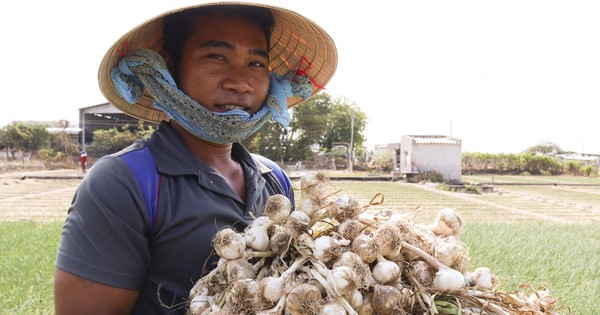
83,161
215,73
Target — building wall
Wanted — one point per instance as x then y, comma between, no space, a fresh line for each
442,158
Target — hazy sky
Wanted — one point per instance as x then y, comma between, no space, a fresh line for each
500,75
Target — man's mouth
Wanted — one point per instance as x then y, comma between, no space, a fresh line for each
229,107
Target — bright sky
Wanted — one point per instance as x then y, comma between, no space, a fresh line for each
500,75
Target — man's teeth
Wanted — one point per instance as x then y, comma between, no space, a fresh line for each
231,107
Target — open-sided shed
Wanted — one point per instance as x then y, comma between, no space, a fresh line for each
103,116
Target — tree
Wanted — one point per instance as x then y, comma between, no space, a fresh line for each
308,125
345,114
108,141
3,141
310,122
320,120
574,167
545,148
25,138
268,141
64,142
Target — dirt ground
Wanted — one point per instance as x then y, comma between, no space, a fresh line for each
45,195
37,195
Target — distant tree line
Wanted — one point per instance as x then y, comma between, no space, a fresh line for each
536,160
502,163
316,127
20,140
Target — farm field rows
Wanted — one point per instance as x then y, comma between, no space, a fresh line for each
37,199
563,204
563,179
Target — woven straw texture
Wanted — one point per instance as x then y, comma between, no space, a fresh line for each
293,38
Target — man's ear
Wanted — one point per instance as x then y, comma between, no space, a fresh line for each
170,63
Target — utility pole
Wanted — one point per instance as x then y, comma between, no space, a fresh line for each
350,155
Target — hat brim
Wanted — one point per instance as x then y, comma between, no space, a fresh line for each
294,37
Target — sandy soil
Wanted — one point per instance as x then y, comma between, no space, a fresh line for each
46,196
37,195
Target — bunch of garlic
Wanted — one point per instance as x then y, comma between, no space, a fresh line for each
330,256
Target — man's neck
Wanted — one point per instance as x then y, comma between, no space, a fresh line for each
213,154
218,157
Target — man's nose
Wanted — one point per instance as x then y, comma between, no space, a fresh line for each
238,79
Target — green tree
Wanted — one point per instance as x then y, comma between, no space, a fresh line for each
347,122
307,127
587,170
573,167
108,141
269,141
320,120
509,163
545,148
64,143
3,140
25,138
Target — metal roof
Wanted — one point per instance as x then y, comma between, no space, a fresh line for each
434,139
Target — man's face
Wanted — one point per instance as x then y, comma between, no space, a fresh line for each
225,65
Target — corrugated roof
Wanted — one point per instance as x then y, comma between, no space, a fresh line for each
434,140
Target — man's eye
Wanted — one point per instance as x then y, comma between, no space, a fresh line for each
216,56
258,64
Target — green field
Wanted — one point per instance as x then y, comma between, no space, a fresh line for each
562,258
544,236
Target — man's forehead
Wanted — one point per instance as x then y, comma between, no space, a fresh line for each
229,45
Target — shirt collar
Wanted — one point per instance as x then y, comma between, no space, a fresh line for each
173,157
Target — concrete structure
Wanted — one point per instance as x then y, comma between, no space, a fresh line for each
103,116
430,153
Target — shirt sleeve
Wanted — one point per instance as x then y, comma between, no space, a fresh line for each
104,238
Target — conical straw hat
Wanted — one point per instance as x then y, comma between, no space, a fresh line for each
295,41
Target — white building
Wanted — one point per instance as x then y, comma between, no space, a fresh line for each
430,153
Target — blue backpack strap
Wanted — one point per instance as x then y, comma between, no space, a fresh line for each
280,175
144,169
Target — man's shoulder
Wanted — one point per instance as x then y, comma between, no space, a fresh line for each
139,144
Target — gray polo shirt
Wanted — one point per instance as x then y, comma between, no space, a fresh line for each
106,237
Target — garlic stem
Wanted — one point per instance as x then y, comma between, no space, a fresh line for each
446,278
293,267
493,307
278,309
317,275
320,267
430,259
259,254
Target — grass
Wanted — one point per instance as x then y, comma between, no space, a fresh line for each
559,257
27,255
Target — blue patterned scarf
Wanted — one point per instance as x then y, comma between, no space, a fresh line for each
145,68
